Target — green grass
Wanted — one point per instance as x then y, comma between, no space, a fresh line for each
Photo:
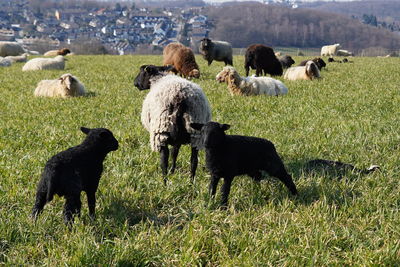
351,115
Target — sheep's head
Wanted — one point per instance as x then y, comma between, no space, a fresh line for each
68,81
195,73
212,133
205,44
320,62
63,51
312,70
100,138
147,72
228,75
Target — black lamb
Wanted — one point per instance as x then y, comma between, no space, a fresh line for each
228,156
74,170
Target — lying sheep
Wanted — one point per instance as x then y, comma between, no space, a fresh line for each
250,85
21,58
74,170
11,49
57,63
228,156
286,61
5,62
216,50
183,60
318,61
59,52
168,109
65,86
308,72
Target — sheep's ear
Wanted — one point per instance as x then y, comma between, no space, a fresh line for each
85,130
197,126
225,127
68,81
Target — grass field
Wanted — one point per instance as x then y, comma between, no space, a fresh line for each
351,115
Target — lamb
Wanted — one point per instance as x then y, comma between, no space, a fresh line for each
286,61
228,156
216,50
250,85
262,58
21,58
61,52
65,86
183,60
56,63
168,109
11,49
329,50
74,170
308,72
318,61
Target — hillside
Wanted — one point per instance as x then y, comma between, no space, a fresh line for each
243,24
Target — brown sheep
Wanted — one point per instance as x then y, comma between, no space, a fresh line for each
183,60
59,52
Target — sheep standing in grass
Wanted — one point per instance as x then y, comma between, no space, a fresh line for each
11,49
56,63
308,72
329,50
216,50
61,52
250,85
74,170
168,109
228,156
183,60
263,59
65,86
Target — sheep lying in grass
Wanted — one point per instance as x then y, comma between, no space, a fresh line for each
65,86
21,58
286,61
308,72
11,49
168,109
228,156
318,61
250,85
74,170
53,53
56,63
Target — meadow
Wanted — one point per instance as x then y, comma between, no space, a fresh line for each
338,219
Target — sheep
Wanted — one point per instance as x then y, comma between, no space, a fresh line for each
56,63
344,53
11,49
5,62
168,109
329,50
308,72
216,50
250,85
21,58
228,156
286,61
318,61
345,60
65,86
262,58
74,170
61,52
183,60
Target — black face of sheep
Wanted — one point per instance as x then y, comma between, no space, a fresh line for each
142,80
205,44
320,62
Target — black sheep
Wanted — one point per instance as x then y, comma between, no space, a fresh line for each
74,170
318,61
286,61
262,58
228,156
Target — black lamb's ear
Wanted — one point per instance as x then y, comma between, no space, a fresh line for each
85,130
225,127
197,126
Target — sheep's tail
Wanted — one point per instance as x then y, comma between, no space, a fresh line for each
339,166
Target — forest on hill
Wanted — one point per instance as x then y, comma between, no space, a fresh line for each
246,23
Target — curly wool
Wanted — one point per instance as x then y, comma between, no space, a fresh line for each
157,116
66,86
56,63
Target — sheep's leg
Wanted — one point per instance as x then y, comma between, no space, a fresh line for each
278,170
39,204
193,162
212,188
209,62
91,199
175,152
72,207
247,70
258,72
164,155
225,190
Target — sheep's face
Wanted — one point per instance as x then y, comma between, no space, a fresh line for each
101,138
212,133
312,70
64,51
205,44
195,73
320,62
226,75
142,80
68,80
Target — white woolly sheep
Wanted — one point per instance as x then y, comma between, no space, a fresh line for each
329,50
168,109
53,53
65,86
21,58
250,85
11,49
57,63
308,72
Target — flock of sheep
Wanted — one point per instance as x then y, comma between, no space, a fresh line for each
175,112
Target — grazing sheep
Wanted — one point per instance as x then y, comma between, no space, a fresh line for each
21,58
183,60
168,109
339,166
56,63
74,170
308,72
65,86
250,85
329,50
59,52
344,53
262,58
11,49
5,62
216,50
228,156
286,61
318,61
